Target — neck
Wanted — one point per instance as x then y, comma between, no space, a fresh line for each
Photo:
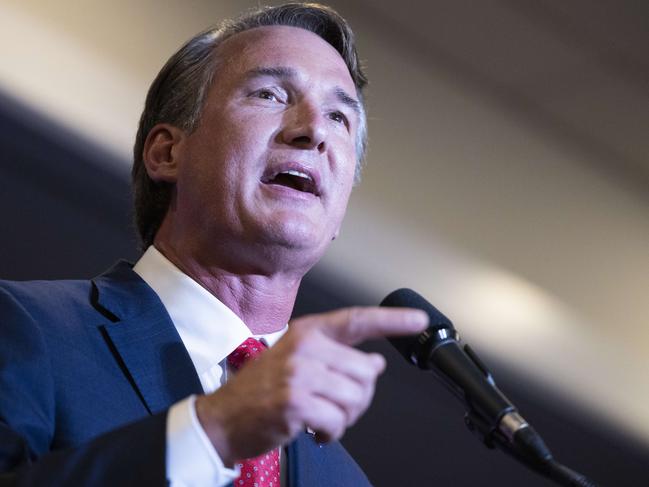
264,301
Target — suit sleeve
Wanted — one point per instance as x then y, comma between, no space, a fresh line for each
130,456
133,455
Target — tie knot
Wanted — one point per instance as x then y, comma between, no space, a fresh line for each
250,349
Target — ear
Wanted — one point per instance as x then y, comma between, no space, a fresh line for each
161,151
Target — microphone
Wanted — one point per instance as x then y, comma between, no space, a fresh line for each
489,413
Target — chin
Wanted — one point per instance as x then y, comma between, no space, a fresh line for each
297,236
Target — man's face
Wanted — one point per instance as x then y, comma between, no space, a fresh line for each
272,161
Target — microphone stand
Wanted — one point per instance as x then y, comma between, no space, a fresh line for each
511,433
520,440
528,448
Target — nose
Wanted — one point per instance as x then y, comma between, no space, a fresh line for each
305,127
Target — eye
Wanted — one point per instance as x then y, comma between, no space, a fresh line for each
266,95
338,117
269,95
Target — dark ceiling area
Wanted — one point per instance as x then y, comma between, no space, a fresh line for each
576,71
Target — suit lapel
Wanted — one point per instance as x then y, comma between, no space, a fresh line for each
144,339
311,464
302,460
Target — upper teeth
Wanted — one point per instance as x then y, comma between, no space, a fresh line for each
297,173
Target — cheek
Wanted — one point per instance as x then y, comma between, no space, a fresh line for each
346,172
343,192
245,141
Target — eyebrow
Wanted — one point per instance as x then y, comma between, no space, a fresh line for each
281,72
348,100
285,72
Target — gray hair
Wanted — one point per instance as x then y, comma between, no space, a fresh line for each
177,94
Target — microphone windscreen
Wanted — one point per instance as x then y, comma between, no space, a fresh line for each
414,348
407,298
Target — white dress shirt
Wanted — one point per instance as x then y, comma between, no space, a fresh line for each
210,331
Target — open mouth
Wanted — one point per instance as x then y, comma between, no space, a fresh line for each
297,180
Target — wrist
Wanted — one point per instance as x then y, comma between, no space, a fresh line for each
213,423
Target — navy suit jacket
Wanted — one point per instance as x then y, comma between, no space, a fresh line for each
88,370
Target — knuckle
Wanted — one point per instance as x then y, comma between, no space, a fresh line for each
362,399
374,368
337,423
380,362
300,336
287,367
353,415
353,320
290,372
356,395
358,409
294,397
287,393
339,430
368,373
353,314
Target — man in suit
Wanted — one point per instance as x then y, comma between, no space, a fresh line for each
248,147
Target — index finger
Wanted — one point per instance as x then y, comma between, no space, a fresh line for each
354,325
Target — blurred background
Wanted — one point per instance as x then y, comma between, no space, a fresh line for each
507,181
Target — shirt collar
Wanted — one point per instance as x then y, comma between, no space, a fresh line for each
209,329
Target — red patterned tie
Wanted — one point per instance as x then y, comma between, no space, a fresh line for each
261,471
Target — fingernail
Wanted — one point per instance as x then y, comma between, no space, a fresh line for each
421,318
379,360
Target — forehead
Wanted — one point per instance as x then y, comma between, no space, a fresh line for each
305,52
